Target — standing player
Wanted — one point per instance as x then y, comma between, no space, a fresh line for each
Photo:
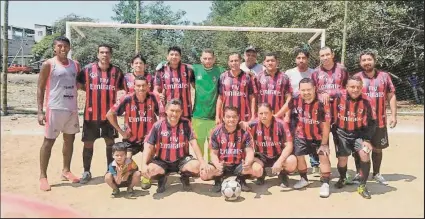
354,124
100,80
329,77
377,85
311,133
250,65
270,136
173,81
141,109
295,75
170,138
58,77
206,81
236,88
273,86
232,153
138,64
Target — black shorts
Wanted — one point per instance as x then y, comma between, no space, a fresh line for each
305,147
134,147
267,161
231,170
93,130
175,166
380,139
346,143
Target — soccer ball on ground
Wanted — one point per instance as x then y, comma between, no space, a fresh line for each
231,190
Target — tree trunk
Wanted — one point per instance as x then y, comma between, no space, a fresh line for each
5,56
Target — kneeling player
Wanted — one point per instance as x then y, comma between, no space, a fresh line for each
170,138
270,135
232,153
122,172
311,133
354,124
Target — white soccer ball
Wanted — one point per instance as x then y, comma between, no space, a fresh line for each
231,190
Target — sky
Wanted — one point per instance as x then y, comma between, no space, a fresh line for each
27,13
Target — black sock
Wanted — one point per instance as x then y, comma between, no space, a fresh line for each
186,174
87,157
342,172
357,161
109,157
376,160
365,169
304,175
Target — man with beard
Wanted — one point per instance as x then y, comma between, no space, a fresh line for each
377,85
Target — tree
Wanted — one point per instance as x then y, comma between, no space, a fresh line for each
44,48
5,56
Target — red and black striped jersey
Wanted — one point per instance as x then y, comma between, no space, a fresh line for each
270,141
330,81
230,146
101,89
353,115
272,90
235,91
309,117
377,88
129,82
176,83
171,143
139,116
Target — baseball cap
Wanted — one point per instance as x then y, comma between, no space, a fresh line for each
250,48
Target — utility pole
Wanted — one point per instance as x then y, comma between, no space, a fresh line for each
344,34
22,46
137,29
5,56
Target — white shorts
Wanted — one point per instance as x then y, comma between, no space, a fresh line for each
58,121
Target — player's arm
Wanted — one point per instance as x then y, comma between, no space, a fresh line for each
252,92
289,147
149,146
249,150
214,149
393,106
253,105
286,108
116,110
41,89
218,108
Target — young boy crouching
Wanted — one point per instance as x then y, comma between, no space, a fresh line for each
122,172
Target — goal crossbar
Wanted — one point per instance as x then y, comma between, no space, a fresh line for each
317,32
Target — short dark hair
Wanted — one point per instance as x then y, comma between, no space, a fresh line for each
174,101
265,104
140,78
370,53
234,53
326,47
175,48
299,50
61,39
271,54
230,108
355,78
138,56
106,46
120,146
306,80
208,50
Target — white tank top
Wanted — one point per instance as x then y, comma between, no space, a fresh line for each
61,88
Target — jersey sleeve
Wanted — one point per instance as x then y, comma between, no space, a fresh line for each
189,131
112,170
390,86
124,84
247,140
324,113
286,131
119,107
214,144
152,137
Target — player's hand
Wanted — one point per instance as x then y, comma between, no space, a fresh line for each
324,97
125,135
244,126
324,149
277,167
393,121
220,166
205,167
145,171
287,119
41,118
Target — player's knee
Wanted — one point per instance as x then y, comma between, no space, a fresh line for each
376,150
68,138
257,170
109,177
137,175
291,164
192,166
48,143
364,157
88,144
342,161
156,171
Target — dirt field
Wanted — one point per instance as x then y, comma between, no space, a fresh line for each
403,167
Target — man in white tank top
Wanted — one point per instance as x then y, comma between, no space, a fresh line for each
295,75
57,91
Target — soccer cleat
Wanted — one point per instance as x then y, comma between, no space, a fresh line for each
115,193
316,171
324,190
130,192
362,190
145,183
242,182
301,184
340,183
284,180
85,178
260,180
161,184
185,182
380,179
217,185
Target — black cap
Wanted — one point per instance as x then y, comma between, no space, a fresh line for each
250,48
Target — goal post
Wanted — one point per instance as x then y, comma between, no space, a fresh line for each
316,32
